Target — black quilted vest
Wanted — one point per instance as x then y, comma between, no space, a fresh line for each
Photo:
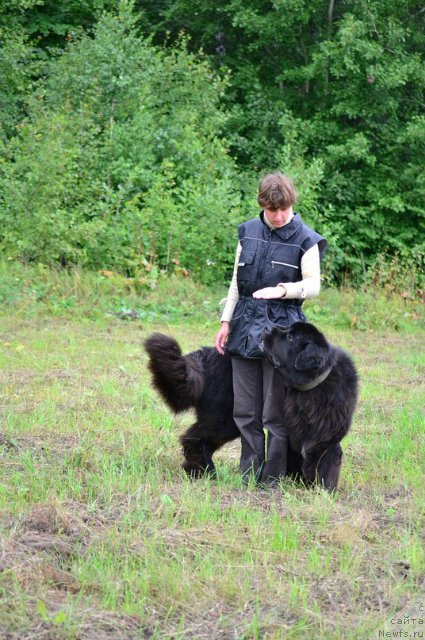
267,258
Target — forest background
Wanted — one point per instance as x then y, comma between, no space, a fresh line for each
133,134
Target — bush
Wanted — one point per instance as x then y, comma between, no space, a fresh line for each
120,163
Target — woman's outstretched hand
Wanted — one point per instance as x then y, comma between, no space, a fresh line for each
221,337
270,293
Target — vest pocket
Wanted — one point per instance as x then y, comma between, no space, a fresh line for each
277,314
239,309
284,265
246,257
245,265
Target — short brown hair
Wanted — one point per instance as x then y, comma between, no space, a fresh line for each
276,191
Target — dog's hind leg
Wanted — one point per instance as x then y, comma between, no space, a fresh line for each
322,465
200,442
197,454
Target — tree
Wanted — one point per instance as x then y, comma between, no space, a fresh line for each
120,163
337,86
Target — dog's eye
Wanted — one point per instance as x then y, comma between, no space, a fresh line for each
290,337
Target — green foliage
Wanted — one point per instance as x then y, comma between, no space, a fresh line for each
111,145
34,290
120,163
402,273
372,163
16,68
51,23
366,309
349,79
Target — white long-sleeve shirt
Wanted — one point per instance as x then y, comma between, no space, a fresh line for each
308,287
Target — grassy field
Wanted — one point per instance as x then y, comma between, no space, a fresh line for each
102,536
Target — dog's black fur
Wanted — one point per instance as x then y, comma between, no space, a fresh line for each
316,419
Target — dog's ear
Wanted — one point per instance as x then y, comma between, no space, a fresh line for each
310,358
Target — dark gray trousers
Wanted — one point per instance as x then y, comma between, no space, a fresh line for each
258,405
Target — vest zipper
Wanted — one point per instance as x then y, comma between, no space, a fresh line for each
263,261
284,264
255,307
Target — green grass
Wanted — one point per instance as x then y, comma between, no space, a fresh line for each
102,536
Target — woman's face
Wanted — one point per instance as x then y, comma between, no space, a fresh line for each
279,217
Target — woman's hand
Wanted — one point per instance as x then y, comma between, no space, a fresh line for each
270,293
221,337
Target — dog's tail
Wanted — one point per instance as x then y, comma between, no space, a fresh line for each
178,378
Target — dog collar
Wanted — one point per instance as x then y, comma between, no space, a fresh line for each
314,383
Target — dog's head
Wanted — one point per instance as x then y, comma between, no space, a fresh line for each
300,352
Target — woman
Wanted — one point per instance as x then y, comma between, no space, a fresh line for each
277,267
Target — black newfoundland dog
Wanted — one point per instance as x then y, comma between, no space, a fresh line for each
319,394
